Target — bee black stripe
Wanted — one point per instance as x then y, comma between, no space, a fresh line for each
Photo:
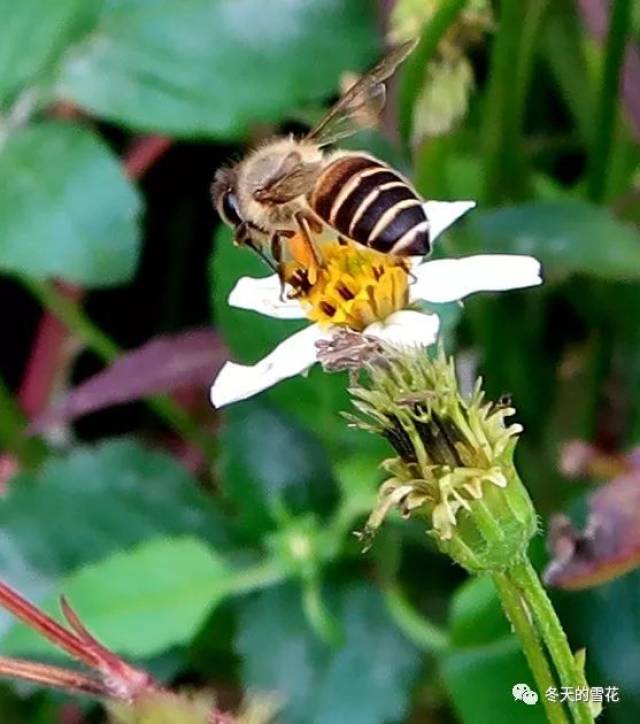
415,242
365,200
394,229
389,216
335,176
347,209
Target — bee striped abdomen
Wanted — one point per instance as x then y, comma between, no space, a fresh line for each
370,203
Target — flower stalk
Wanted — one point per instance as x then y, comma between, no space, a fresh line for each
519,615
454,469
570,672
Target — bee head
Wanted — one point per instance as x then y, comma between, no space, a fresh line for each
225,197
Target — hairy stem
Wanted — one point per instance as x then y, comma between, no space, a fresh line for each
525,578
517,612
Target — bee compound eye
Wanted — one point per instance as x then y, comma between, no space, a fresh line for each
229,209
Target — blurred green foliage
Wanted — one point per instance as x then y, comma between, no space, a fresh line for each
244,574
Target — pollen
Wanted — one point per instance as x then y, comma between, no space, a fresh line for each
353,286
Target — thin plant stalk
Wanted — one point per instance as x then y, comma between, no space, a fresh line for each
512,60
524,576
607,105
519,615
415,626
51,676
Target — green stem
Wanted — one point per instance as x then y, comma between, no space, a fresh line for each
320,618
73,316
413,73
517,612
525,578
564,53
512,59
414,625
600,156
262,575
528,48
28,451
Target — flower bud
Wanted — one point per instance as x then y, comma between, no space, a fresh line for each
454,464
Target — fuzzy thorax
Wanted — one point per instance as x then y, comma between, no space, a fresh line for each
352,287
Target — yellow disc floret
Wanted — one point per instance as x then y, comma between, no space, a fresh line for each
353,286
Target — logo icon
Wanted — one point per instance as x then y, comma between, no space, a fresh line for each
522,692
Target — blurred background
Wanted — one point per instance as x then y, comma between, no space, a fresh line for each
215,550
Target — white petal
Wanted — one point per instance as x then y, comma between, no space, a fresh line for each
292,357
442,214
446,280
407,328
264,295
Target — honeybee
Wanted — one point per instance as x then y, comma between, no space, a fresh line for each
290,188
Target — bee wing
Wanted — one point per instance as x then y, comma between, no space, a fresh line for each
293,178
365,97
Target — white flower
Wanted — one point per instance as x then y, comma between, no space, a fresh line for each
442,280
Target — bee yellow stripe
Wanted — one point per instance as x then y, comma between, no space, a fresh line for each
368,200
351,185
406,239
389,215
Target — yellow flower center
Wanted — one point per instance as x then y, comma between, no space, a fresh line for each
352,286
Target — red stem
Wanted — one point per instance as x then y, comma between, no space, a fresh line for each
47,356
143,154
13,602
52,676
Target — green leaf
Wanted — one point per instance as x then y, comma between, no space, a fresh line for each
567,236
212,67
267,461
480,679
366,680
486,660
476,614
66,209
33,34
94,502
139,602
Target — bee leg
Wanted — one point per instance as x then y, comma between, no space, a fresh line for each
306,225
312,222
275,244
